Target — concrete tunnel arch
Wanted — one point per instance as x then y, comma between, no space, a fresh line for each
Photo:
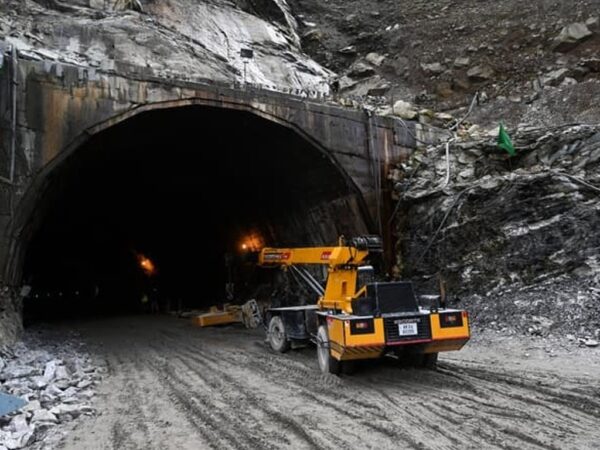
334,206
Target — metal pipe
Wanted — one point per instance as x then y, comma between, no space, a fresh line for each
13,141
376,171
13,134
308,279
447,165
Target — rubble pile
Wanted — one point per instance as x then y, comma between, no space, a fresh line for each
57,382
514,237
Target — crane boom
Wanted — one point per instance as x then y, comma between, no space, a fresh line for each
331,256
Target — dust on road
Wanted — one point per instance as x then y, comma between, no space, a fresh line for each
171,385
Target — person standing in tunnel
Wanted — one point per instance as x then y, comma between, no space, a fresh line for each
153,297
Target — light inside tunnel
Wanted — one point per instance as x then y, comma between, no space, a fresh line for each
252,242
146,265
184,187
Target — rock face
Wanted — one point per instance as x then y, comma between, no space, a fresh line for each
570,36
180,39
10,318
57,383
518,232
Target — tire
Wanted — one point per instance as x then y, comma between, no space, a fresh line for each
327,363
277,336
430,361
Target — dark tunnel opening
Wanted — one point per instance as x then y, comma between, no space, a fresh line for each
183,187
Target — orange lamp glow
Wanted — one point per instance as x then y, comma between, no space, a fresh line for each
146,265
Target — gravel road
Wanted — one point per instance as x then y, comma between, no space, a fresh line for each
171,385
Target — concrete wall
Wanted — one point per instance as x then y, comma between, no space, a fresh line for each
59,107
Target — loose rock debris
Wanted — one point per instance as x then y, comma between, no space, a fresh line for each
58,383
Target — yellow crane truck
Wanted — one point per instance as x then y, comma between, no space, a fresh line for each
356,317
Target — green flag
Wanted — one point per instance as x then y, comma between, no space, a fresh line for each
504,141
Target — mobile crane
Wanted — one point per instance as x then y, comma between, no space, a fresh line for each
355,317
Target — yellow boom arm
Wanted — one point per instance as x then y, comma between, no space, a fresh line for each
342,262
331,256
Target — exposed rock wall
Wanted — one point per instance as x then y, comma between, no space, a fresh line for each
180,39
11,323
519,231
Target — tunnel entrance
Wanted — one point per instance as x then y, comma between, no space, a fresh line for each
183,187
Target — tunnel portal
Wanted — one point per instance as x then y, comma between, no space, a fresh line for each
182,187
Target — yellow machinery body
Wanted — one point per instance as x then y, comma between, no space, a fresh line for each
346,345
360,321
215,316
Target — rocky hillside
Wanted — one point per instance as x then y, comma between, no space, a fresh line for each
514,236
525,59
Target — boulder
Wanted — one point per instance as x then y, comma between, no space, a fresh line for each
405,110
593,64
568,81
433,68
18,440
32,406
83,384
379,90
555,77
61,373
13,372
480,73
50,370
18,424
571,36
346,82
315,35
593,23
43,415
460,63
360,70
39,382
375,58
72,410
348,50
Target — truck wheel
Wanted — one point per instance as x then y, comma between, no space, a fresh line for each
327,363
277,337
430,360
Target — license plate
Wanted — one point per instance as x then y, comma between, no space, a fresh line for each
407,329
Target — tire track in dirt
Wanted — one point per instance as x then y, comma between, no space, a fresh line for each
391,431
549,404
197,361
286,382
426,426
223,388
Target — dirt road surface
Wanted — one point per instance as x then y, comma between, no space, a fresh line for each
173,386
